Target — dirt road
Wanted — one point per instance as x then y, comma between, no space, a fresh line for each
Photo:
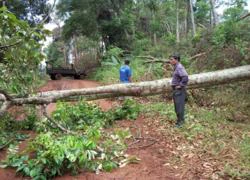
65,84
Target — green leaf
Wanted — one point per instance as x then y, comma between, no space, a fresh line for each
20,168
34,172
26,171
109,165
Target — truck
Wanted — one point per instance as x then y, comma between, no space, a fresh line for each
57,73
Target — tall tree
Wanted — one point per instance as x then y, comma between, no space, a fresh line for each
213,13
107,19
203,13
192,17
177,22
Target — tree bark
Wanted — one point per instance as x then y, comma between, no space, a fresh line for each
177,22
245,16
213,14
192,17
155,39
136,89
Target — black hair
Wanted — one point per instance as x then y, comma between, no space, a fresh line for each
176,56
127,62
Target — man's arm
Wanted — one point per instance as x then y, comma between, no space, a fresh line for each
184,77
184,81
130,79
129,75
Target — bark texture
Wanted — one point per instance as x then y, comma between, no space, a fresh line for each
135,89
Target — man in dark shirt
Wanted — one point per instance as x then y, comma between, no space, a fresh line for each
179,83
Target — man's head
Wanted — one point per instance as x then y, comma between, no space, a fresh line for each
126,62
174,58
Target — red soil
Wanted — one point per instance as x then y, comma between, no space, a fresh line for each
154,154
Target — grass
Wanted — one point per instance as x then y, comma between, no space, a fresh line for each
217,124
223,143
108,74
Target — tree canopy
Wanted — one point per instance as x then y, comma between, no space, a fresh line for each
33,11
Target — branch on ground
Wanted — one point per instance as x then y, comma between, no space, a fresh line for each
51,120
147,57
6,144
153,59
198,55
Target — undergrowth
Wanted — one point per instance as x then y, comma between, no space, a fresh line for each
140,72
10,129
212,132
86,145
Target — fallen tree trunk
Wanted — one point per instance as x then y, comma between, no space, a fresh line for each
136,89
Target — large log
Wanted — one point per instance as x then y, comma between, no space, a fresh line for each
137,89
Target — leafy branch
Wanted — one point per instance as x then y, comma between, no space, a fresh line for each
59,126
10,45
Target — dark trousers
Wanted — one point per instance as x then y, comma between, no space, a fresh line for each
179,96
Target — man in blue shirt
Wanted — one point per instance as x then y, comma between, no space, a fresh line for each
125,73
179,83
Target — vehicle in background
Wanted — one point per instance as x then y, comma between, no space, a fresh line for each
57,73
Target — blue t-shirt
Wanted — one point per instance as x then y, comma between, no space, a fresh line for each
125,73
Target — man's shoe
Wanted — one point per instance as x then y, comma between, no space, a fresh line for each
179,125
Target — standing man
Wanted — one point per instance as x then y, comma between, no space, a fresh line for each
179,83
125,73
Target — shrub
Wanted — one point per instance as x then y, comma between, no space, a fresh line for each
87,146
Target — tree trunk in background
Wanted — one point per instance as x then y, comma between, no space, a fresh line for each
155,39
75,50
127,35
192,17
136,89
65,54
177,22
213,14
186,21
153,12
188,16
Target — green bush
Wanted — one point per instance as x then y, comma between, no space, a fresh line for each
10,128
129,110
86,145
112,56
141,45
57,154
170,38
107,74
110,74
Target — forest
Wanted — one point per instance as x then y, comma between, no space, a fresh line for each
65,113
